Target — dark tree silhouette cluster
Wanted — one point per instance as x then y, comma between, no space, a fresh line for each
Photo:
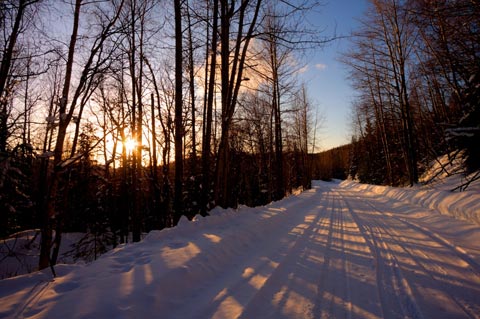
415,64
122,116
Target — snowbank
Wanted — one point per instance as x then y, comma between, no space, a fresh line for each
150,276
461,205
19,252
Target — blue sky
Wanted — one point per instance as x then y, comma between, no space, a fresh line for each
326,77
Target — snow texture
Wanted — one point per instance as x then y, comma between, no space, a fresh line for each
339,250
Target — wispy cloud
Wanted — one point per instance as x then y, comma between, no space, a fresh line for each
303,69
320,66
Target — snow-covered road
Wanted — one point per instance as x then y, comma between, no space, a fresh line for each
336,251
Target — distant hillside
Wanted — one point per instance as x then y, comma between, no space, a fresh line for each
332,164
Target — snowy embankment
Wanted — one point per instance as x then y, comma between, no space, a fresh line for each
337,250
19,252
141,279
445,174
461,205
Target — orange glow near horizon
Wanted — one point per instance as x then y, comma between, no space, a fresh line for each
129,144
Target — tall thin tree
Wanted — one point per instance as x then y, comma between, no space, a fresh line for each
179,130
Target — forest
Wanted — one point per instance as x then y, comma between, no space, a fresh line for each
415,66
121,116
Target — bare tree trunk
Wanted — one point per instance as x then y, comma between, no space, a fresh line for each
231,79
78,118
164,219
397,55
379,113
25,106
191,74
207,136
307,174
154,164
178,198
49,212
279,183
8,54
137,114
5,66
65,116
221,185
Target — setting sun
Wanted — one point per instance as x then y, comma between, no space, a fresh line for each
129,144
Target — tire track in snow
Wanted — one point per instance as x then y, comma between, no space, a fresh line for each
346,288
252,278
33,296
434,269
389,239
459,251
327,241
346,265
332,295
320,306
280,284
365,297
395,296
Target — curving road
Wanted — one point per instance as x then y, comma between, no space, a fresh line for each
330,252
343,253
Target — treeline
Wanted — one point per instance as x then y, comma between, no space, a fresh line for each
332,164
120,116
416,66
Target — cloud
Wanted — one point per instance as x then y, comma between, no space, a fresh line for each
320,66
303,70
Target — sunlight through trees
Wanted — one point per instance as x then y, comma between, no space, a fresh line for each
120,116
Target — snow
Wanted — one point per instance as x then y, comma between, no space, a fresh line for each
19,252
341,249
461,205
